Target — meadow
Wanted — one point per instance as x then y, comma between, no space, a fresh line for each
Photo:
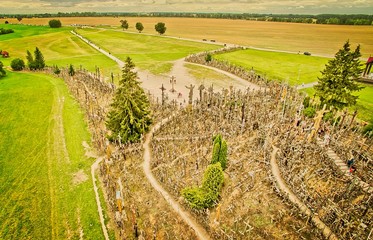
152,53
46,188
285,67
294,69
315,38
59,47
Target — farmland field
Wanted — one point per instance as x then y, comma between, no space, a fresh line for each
315,38
46,188
152,53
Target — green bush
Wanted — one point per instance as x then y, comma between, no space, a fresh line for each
207,195
306,102
329,116
55,23
17,64
6,31
208,58
219,152
309,112
56,70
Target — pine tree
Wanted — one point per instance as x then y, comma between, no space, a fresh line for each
338,80
30,61
39,59
129,117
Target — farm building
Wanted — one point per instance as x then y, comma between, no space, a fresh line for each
5,54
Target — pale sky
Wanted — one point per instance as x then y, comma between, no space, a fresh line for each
239,6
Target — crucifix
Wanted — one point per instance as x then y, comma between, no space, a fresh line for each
317,123
191,87
173,81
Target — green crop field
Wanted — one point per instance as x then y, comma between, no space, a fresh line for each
58,46
293,68
46,189
153,53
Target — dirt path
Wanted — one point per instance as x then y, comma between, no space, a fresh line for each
328,234
95,188
199,230
152,83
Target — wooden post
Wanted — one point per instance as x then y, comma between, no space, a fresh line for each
172,81
163,97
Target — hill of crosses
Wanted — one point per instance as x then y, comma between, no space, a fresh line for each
286,177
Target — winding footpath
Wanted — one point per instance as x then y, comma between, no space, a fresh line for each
327,232
199,230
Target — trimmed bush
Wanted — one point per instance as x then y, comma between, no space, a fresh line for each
207,195
17,64
309,112
219,152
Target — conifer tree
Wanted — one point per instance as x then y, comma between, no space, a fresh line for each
39,59
338,80
129,117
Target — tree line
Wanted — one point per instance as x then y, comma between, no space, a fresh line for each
337,19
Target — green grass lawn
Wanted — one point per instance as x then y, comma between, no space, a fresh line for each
39,199
58,46
293,68
202,75
153,53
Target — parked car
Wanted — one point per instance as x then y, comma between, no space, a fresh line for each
307,53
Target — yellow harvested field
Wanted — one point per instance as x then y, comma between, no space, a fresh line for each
317,39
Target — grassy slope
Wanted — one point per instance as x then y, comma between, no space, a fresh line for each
280,66
58,46
283,66
153,53
38,198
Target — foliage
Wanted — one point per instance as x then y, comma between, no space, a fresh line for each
35,62
219,153
329,116
55,23
124,24
6,31
338,80
309,112
139,27
129,117
306,102
56,70
71,70
19,18
368,130
160,28
17,64
208,57
2,71
207,195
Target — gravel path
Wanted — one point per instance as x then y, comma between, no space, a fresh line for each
199,230
294,199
